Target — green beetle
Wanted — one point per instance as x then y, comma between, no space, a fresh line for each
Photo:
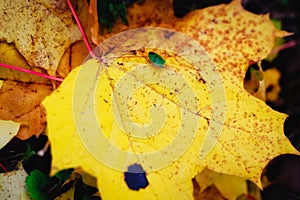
156,59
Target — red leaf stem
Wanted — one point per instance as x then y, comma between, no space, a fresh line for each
31,72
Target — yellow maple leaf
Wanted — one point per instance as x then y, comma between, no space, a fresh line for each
172,120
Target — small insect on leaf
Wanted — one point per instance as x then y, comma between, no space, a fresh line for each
156,59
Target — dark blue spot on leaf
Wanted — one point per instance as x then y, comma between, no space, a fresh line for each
135,177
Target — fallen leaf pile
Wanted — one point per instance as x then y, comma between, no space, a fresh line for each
235,132
251,134
41,30
38,36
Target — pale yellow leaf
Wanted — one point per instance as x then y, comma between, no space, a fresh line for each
229,186
272,77
13,185
8,130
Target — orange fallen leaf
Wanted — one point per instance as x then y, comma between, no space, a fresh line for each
72,58
20,102
33,123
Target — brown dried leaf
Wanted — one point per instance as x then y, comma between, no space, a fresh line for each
33,123
20,102
211,193
229,186
72,58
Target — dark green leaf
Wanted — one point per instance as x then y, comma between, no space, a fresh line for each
109,11
285,2
105,18
43,187
28,153
11,154
59,188
63,175
35,183
84,191
118,10
57,184
277,24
